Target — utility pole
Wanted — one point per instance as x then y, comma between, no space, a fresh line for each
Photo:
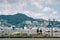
49,25
53,22
52,31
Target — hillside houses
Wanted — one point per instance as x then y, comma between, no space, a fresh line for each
30,28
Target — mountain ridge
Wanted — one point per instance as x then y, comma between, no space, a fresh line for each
17,18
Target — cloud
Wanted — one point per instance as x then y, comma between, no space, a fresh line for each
35,15
10,7
55,12
50,10
52,2
47,9
32,14
32,8
54,16
38,5
15,6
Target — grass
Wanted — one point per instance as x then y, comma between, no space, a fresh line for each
24,35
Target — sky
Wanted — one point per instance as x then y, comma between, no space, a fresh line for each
37,9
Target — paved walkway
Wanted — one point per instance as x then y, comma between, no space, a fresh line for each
29,38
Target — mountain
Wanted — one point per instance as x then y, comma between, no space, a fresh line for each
15,19
19,18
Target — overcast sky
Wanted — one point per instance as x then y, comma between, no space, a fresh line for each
33,8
